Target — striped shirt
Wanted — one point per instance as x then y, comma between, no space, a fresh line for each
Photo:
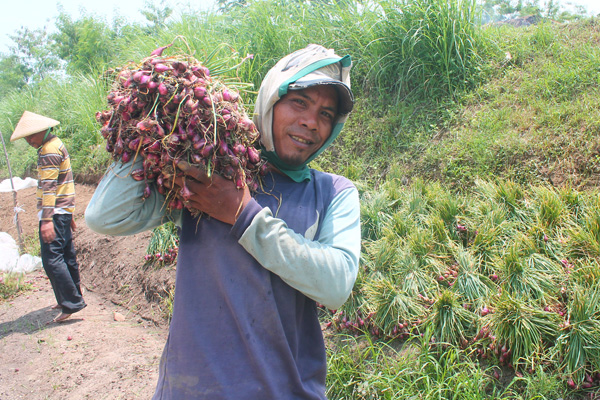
56,189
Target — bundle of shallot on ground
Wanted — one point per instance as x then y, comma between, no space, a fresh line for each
170,109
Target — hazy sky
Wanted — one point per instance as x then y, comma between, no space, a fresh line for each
37,13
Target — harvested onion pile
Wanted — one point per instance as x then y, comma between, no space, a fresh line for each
169,109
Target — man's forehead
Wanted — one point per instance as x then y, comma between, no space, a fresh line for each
317,91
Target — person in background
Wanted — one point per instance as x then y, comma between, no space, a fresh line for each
55,204
253,268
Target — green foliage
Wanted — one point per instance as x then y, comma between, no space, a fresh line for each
585,237
13,74
450,322
549,207
74,102
579,338
32,49
446,264
471,285
85,44
374,216
229,5
377,372
156,15
526,274
163,246
523,329
435,47
389,304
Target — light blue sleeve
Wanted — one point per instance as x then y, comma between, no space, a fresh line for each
324,270
118,207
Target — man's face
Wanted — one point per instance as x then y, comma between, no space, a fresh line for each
35,140
302,122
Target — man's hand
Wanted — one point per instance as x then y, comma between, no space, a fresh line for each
215,196
47,231
73,224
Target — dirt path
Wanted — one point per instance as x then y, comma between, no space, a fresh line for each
91,356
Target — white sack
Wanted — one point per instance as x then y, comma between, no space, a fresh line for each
11,261
18,183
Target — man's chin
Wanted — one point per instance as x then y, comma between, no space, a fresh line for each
294,162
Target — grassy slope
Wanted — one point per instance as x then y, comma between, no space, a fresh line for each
535,120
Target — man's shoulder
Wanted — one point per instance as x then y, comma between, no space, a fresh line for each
337,182
53,145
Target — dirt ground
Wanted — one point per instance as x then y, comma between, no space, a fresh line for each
109,350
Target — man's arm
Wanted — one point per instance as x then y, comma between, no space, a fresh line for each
324,270
118,207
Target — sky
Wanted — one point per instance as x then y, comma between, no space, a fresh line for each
38,13
593,6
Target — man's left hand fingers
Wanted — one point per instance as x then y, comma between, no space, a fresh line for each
193,172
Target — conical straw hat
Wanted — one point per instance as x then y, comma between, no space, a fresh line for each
31,123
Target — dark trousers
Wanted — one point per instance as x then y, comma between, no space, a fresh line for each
60,263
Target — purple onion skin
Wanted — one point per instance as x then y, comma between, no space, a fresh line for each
152,86
206,150
223,148
239,149
253,155
138,174
154,147
199,92
197,159
126,157
162,89
161,68
134,144
199,144
185,192
158,52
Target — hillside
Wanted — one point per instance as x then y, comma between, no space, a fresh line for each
534,118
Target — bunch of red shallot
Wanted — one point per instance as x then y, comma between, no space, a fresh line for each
170,109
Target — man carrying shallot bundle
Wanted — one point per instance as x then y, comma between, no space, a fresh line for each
252,268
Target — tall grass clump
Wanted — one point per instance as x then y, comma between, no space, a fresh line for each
426,48
523,331
359,369
579,338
